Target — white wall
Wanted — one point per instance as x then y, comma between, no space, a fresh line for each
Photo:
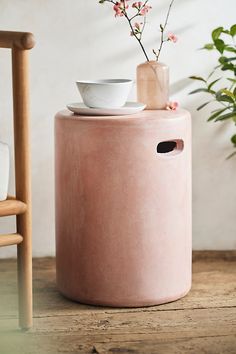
82,39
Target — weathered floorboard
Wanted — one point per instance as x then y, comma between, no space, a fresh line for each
202,322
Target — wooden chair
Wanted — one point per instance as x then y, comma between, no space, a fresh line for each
20,43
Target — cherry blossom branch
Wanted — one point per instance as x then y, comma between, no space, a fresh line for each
162,33
138,13
144,24
138,37
142,8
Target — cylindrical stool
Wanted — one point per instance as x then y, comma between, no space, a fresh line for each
123,207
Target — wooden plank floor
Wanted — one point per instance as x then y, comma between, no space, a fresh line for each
202,322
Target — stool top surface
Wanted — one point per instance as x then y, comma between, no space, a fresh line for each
144,115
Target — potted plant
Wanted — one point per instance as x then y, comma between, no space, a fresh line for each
223,42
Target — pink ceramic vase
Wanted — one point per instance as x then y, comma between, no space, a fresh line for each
123,207
153,84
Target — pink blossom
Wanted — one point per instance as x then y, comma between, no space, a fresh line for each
120,8
172,37
137,27
137,5
144,10
172,106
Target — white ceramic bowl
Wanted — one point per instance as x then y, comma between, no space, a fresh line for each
111,93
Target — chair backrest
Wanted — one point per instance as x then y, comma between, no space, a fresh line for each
19,43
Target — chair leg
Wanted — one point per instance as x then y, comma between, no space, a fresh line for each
24,262
23,181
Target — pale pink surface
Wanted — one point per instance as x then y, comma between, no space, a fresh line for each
123,212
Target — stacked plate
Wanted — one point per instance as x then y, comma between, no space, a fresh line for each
106,98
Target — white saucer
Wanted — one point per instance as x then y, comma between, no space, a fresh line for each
128,108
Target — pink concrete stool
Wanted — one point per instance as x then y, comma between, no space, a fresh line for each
123,207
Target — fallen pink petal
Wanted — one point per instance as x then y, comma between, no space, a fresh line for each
172,106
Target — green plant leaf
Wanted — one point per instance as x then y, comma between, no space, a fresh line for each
223,59
233,30
216,113
232,80
226,116
213,83
228,66
211,73
220,45
226,31
216,33
197,78
209,46
231,59
233,139
203,105
198,90
234,92
230,49
228,93
225,98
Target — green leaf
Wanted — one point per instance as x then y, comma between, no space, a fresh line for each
216,114
218,94
223,60
226,116
216,33
233,30
211,73
228,93
226,31
220,45
232,80
230,49
197,78
224,98
198,90
233,139
212,84
203,105
228,66
209,46
231,59
234,92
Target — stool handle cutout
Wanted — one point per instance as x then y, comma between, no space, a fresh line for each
170,147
